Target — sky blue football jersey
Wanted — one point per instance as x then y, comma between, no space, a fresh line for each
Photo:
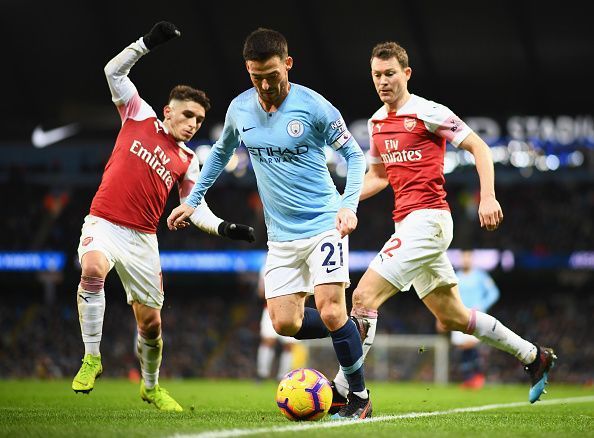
477,289
286,148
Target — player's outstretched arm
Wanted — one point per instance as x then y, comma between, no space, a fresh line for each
203,218
117,69
206,220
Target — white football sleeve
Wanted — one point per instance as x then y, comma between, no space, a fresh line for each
202,217
117,70
205,219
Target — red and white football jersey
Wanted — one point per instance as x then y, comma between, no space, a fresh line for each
411,144
146,161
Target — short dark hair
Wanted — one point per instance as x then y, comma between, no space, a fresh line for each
262,44
390,49
185,92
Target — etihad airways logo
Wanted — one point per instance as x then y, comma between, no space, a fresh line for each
277,154
156,160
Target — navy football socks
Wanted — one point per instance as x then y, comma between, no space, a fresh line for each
312,326
347,344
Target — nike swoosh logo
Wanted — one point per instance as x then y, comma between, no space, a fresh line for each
41,138
244,129
328,270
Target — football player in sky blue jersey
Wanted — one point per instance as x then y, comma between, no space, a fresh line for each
477,288
477,291
285,128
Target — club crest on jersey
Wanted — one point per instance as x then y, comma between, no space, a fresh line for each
182,156
295,128
409,124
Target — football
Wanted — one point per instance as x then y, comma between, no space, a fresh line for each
304,395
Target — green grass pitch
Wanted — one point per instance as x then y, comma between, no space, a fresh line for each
225,408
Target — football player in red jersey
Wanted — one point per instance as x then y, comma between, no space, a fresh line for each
148,159
408,137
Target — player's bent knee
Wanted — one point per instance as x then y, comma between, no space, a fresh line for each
150,329
93,269
363,297
94,264
334,317
285,327
358,297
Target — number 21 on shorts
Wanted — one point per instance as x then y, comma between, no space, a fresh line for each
331,258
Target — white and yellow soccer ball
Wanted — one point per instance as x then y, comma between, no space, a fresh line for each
304,395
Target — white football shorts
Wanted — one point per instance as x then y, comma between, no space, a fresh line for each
267,330
134,254
416,253
299,265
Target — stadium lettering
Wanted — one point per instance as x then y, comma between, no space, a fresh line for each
156,160
402,156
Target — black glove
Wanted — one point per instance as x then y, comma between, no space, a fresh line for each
161,32
236,231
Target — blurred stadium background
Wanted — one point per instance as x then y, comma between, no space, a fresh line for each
520,73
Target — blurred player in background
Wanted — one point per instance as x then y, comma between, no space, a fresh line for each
408,137
477,291
268,343
285,127
149,157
